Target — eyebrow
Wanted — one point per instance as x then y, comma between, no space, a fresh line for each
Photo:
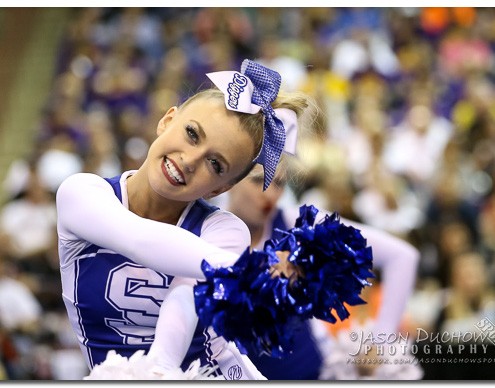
202,135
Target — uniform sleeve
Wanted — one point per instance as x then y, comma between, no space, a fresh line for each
88,210
224,229
175,327
398,261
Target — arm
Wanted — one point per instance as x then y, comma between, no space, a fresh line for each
175,327
89,210
398,262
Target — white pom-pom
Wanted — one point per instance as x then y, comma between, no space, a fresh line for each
140,367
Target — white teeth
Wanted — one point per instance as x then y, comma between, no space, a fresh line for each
172,171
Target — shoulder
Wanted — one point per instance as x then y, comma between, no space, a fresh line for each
289,214
81,181
83,189
82,178
226,230
223,219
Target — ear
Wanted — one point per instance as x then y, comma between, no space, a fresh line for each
218,191
165,120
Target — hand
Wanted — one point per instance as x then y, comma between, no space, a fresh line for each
286,268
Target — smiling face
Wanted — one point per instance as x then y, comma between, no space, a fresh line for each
200,150
250,203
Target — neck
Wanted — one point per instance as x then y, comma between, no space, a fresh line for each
144,202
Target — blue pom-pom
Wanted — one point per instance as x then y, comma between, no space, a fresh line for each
244,304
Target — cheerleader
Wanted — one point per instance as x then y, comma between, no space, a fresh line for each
314,353
131,246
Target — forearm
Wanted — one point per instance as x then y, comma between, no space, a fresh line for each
175,328
397,261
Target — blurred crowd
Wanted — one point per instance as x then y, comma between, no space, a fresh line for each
404,140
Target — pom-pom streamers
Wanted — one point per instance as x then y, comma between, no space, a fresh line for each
248,306
141,367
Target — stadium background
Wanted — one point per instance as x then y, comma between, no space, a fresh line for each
405,141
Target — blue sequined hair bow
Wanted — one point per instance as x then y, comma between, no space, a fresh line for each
255,88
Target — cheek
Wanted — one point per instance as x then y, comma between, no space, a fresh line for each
250,193
206,181
242,197
159,146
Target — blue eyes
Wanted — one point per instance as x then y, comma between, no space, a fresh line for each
192,134
216,166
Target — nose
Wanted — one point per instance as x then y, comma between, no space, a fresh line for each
190,160
188,167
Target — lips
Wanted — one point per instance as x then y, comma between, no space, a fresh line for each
172,172
266,209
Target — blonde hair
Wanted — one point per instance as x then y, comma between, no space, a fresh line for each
254,123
